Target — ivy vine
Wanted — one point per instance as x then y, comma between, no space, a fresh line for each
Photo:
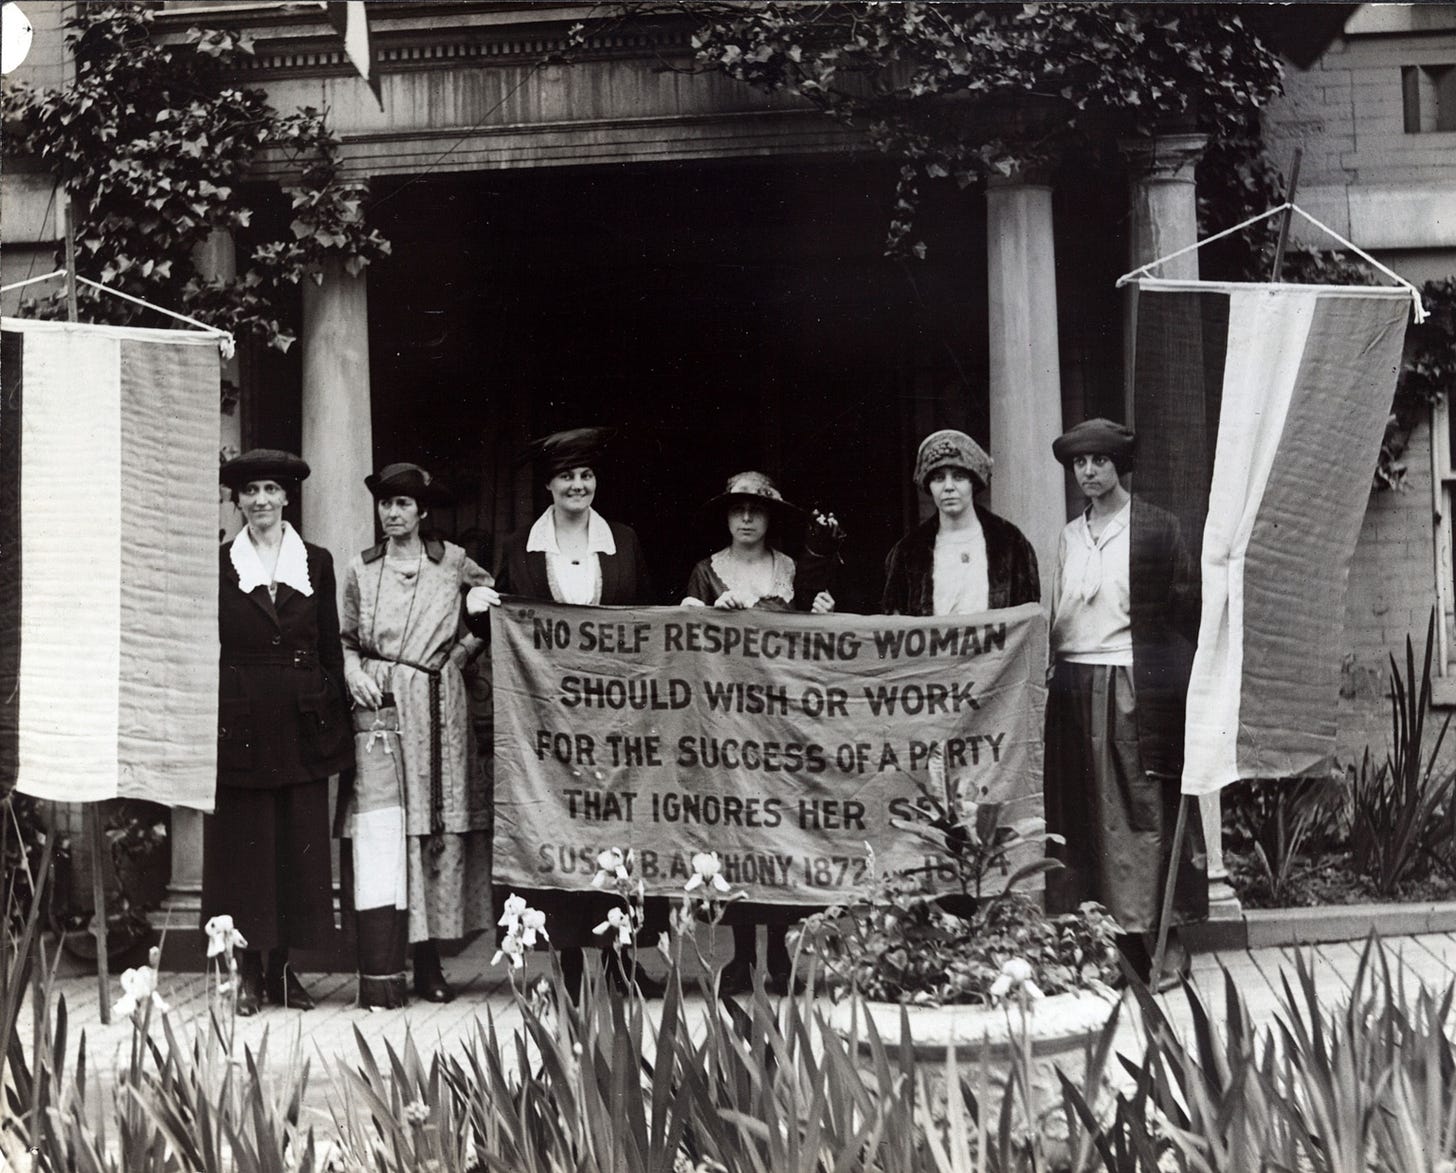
153,145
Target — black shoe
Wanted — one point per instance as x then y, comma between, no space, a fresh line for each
286,990
433,987
250,984
250,999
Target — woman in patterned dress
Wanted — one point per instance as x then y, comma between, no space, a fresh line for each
404,641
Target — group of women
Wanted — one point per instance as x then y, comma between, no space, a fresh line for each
414,801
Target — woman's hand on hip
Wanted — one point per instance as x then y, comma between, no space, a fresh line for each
823,603
479,600
365,692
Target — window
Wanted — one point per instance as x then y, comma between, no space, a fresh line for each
1429,94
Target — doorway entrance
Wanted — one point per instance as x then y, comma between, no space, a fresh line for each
722,317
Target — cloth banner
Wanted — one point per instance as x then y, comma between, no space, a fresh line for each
783,742
1295,382
108,562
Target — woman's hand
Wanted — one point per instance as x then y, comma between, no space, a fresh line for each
823,603
731,601
689,601
479,600
365,692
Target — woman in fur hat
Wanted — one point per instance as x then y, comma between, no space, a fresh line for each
965,559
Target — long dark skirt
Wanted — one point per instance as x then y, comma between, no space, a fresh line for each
266,864
1118,820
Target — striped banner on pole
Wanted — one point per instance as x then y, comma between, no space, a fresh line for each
1298,381
108,562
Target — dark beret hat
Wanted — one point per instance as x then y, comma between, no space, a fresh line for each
406,480
1094,437
573,448
263,464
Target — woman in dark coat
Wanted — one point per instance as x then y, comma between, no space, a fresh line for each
964,559
1124,628
283,728
571,554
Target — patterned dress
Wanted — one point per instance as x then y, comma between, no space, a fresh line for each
402,627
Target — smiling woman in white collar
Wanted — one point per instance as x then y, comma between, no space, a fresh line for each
571,554
282,730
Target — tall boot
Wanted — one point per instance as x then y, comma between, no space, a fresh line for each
430,983
282,985
250,982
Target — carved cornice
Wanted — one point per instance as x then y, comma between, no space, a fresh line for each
293,40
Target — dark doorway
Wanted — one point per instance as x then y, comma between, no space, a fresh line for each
723,317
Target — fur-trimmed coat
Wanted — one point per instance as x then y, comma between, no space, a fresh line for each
910,567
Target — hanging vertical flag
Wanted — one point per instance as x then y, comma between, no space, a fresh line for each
108,563
352,23
1295,382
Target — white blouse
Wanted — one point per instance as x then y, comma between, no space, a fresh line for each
573,580
961,575
1092,603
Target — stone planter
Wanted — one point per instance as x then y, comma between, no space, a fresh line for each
1063,1030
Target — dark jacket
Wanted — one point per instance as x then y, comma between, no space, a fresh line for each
910,567
1166,605
279,724
626,581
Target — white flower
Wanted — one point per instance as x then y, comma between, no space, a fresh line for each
139,986
222,937
533,925
1016,974
513,949
611,864
416,1112
515,907
617,922
707,869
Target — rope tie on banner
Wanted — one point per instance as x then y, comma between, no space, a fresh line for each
225,343
1418,306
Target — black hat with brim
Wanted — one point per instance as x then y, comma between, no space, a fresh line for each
263,464
573,448
407,480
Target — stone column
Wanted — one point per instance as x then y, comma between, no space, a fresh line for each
1164,219
337,436
216,259
1026,384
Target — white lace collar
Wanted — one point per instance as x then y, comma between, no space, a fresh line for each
542,538
292,563
731,571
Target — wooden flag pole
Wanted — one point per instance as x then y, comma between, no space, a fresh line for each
1165,915
91,816
1288,215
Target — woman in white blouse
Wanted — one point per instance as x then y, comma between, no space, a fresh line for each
1124,627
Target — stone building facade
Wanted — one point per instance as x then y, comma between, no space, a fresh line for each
624,239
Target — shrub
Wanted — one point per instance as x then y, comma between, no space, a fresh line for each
1398,812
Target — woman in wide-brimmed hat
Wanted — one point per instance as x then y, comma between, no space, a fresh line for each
404,648
750,572
283,729
1125,614
572,554
964,559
